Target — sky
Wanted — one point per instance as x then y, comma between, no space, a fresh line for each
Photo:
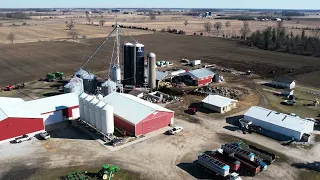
244,4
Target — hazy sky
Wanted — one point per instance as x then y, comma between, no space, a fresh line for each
263,4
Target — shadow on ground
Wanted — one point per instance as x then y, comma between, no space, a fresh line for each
200,108
67,131
52,94
231,128
19,172
196,172
315,166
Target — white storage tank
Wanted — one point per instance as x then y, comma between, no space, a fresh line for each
81,104
92,119
86,108
97,113
107,119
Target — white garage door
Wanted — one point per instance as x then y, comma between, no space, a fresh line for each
52,118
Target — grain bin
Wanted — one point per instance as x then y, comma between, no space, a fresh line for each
92,104
98,108
75,85
81,105
108,87
81,73
90,83
86,108
139,65
128,63
152,70
107,119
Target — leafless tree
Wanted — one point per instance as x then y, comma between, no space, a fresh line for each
279,24
316,32
208,27
245,30
11,37
186,22
153,17
217,26
88,17
70,26
101,22
228,24
73,34
84,36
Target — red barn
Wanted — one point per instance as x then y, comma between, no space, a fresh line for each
137,116
198,77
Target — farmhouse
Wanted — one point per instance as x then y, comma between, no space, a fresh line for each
219,103
286,125
283,82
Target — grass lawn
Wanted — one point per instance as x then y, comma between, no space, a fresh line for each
299,108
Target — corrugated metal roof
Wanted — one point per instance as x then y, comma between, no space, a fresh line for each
218,101
280,119
200,73
131,108
283,79
161,75
7,101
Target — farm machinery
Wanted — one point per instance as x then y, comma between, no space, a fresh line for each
13,87
54,76
247,126
106,173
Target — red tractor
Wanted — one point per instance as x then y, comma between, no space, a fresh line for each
9,87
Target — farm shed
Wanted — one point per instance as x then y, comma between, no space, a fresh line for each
219,103
198,77
286,125
284,82
137,116
17,122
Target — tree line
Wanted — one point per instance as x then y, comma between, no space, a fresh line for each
277,39
14,15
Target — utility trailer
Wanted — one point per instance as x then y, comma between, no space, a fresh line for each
231,161
213,165
267,156
232,148
247,166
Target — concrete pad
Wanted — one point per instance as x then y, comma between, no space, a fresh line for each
115,148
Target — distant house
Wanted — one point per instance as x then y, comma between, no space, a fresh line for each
219,103
284,82
278,19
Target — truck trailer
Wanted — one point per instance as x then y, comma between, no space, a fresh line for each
213,165
230,161
267,156
231,148
247,166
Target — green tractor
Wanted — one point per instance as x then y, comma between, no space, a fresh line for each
106,173
55,76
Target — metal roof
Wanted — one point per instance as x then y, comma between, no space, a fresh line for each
7,101
161,75
131,108
200,73
283,79
218,101
280,119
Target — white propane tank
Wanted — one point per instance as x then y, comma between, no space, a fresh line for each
86,108
107,119
81,104
92,105
97,112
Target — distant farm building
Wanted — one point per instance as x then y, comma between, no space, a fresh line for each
283,82
198,77
289,127
219,103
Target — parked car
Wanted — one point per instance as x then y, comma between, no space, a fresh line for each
116,142
192,111
175,130
44,135
22,138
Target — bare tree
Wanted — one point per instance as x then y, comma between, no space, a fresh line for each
101,22
245,30
186,23
70,26
279,24
11,37
316,32
228,24
153,17
73,34
88,17
217,26
208,27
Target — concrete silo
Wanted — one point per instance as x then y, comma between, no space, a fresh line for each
107,119
152,70
92,104
75,85
81,105
86,108
128,63
97,112
139,65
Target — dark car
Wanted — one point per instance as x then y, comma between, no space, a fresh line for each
116,142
